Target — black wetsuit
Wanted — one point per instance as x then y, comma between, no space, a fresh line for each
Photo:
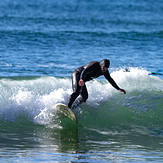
87,72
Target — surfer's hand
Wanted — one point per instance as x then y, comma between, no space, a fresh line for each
81,82
122,90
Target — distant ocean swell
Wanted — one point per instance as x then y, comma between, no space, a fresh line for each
8,34
33,99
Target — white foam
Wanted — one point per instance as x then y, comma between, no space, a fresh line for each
32,99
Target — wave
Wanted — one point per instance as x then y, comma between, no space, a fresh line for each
34,98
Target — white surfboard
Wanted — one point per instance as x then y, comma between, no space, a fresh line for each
66,111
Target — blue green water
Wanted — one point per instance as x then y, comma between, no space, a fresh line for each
41,44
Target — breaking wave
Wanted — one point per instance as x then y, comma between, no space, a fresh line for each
34,98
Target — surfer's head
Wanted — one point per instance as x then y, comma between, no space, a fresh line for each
105,63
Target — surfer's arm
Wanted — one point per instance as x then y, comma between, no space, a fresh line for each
112,82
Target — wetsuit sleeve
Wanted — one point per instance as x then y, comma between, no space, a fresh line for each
110,80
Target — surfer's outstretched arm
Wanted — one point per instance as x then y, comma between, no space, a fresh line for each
112,82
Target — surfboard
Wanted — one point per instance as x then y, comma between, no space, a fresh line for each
66,111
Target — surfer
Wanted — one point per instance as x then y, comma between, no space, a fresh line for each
86,73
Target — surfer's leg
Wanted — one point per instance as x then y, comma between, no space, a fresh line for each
72,98
83,95
75,86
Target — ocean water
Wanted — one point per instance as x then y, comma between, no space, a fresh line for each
43,42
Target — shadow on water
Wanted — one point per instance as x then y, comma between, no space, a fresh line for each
67,137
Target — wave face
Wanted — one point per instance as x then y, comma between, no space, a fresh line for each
34,98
